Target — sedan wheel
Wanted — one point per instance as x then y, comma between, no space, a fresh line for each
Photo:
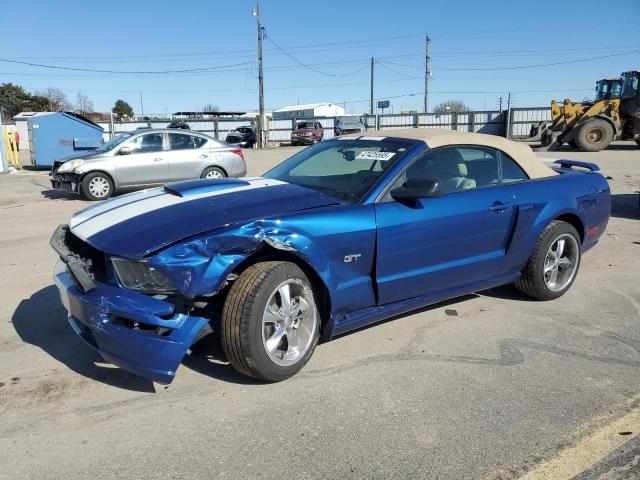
97,186
213,172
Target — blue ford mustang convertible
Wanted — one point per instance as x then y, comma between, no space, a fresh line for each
343,234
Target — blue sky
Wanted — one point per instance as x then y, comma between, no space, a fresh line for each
475,45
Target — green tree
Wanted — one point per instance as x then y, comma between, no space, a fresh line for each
451,106
15,99
122,109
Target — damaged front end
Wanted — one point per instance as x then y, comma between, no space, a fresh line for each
139,333
139,314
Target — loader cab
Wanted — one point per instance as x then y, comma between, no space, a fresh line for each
608,89
630,95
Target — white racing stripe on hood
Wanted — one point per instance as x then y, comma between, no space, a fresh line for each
102,207
130,210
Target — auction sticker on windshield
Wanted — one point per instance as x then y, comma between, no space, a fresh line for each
369,155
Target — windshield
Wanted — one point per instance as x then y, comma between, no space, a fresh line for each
608,89
305,125
114,142
630,86
346,169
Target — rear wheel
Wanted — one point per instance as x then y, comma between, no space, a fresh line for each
213,172
594,135
97,186
270,323
554,264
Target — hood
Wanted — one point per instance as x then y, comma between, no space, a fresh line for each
302,130
137,224
85,155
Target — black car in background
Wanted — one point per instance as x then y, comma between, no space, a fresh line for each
242,136
179,125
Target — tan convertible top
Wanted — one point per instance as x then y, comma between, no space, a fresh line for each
439,137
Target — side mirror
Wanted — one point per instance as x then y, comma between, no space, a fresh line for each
124,151
414,190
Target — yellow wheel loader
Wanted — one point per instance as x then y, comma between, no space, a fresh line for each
592,126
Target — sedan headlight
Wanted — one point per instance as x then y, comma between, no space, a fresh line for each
139,275
70,165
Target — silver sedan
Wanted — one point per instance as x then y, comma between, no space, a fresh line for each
146,158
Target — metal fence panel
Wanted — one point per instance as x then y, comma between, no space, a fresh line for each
280,130
395,121
522,119
435,120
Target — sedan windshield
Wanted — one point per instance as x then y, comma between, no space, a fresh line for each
114,142
346,169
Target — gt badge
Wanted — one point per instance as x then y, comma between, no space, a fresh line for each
352,258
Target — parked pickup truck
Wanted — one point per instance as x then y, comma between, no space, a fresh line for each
344,233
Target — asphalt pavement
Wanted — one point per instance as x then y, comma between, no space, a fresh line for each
491,385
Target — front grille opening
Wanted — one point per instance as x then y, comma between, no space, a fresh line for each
93,259
139,326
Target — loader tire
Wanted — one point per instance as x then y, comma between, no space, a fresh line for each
594,135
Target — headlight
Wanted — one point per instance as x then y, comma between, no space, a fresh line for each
141,276
70,165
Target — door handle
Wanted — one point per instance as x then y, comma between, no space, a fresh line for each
499,206
158,159
203,156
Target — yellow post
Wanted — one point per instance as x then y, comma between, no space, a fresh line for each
11,148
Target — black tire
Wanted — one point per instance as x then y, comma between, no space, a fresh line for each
242,321
594,135
637,141
96,186
532,282
213,172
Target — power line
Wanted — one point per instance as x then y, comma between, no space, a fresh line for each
308,66
93,70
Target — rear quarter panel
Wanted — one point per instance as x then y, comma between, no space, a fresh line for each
583,194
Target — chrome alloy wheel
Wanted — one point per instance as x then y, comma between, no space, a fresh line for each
561,262
99,187
213,174
289,322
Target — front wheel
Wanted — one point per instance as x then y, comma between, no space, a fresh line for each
97,186
270,323
594,135
554,264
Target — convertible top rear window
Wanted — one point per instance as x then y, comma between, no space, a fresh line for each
346,169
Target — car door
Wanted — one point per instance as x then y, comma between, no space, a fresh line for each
142,161
188,155
449,242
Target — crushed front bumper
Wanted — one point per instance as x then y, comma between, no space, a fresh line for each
136,332
69,182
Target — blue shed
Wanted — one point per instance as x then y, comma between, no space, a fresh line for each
53,135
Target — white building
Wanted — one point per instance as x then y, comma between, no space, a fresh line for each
308,111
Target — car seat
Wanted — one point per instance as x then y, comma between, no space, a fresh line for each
452,171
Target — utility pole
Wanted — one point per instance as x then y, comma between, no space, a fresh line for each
371,97
427,42
261,119
141,107
508,116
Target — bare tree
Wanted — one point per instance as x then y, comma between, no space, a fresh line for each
451,106
210,108
83,103
58,101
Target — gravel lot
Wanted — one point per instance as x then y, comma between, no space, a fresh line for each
489,386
